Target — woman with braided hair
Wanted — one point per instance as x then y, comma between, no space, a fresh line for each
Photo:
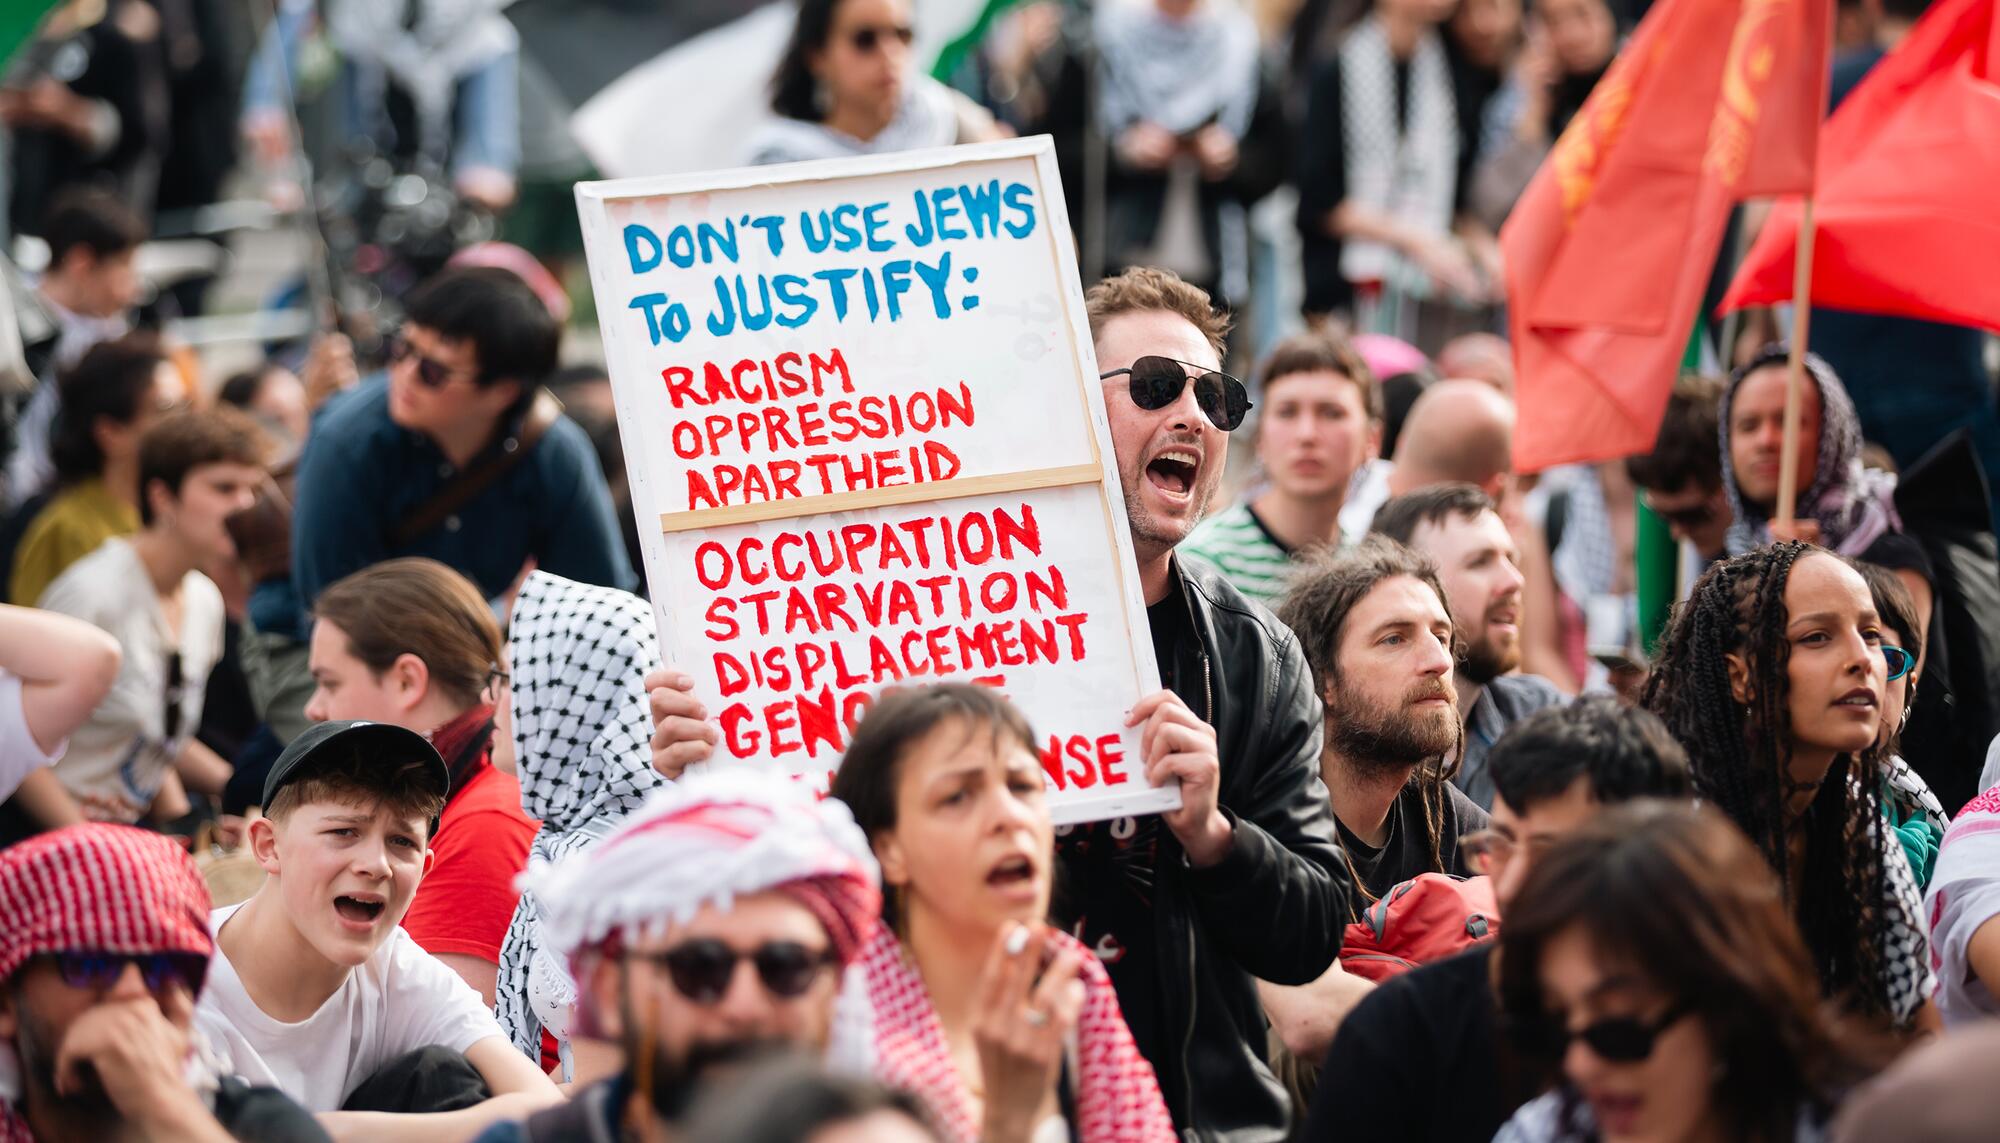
1773,677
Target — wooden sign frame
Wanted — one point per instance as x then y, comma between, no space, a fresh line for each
595,204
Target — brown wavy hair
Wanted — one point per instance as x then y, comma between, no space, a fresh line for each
1675,891
415,606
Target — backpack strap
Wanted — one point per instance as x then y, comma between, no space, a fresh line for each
481,474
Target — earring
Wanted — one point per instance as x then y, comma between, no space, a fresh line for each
822,102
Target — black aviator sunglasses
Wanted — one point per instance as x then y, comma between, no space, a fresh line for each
1157,382
1617,1040
701,969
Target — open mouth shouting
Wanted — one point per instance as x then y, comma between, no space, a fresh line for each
1173,469
360,910
1013,876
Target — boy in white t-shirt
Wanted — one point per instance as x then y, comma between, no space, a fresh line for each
317,991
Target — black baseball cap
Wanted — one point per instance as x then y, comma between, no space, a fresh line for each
374,741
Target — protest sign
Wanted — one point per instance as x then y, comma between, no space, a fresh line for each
867,446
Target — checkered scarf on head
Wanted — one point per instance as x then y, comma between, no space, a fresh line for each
1853,504
93,888
578,655
708,840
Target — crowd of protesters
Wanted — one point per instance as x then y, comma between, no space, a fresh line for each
345,792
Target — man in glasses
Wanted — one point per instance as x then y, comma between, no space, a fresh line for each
1421,1058
693,975
1681,479
1459,528
444,456
104,948
1179,905
317,990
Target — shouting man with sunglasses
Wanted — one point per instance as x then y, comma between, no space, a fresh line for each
1180,906
104,948
738,952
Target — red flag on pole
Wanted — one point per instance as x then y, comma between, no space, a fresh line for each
1906,216
1610,247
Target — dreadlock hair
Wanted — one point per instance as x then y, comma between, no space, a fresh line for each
1741,755
1325,587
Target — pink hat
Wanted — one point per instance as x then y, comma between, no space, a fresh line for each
508,256
707,840
1387,356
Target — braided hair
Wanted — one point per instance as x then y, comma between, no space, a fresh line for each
1741,755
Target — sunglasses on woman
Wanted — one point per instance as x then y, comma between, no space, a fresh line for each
1899,660
702,969
431,373
866,40
99,971
1617,1040
1157,382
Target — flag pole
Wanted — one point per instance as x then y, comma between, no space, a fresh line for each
1788,462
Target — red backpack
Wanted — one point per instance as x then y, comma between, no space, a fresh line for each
1427,918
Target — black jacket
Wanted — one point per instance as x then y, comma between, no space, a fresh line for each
1275,907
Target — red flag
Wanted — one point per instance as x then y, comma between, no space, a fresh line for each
1611,245
1906,218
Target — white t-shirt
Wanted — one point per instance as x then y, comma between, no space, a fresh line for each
20,754
401,999
124,749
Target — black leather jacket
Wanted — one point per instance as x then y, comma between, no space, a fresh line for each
1276,906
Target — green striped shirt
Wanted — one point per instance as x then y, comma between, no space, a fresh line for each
1238,544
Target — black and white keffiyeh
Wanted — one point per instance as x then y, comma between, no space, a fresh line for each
426,46
578,654
1411,173
1179,72
1854,505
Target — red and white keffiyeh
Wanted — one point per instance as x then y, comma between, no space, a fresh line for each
1117,1098
93,888
707,840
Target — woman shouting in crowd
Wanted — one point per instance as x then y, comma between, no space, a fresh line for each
1007,1030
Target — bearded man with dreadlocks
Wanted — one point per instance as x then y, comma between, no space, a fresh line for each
1773,677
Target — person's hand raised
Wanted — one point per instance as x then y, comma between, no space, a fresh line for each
1177,744
138,1057
682,734
1021,1026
